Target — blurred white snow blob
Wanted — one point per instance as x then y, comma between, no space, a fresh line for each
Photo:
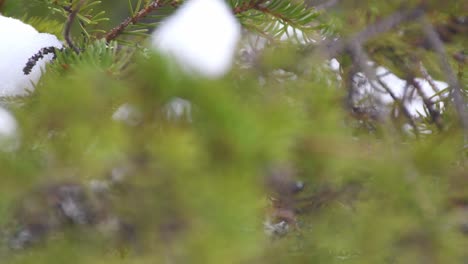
8,131
201,36
414,104
178,109
18,43
334,65
413,101
127,114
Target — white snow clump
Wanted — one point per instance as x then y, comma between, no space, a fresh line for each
413,103
127,114
8,131
201,35
178,109
18,43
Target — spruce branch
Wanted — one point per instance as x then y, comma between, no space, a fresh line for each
276,9
271,12
277,18
248,5
116,31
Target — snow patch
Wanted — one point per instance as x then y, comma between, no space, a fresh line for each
19,42
334,65
178,108
201,35
8,131
413,101
127,114
8,123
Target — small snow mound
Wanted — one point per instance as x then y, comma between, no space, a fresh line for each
127,114
8,123
19,42
414,103
12,26
201,35
178,108
334,65
8,131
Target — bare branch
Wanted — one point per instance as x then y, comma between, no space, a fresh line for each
428,77
382,26
435,115
455,87
361,58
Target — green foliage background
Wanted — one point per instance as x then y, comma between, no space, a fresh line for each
196,190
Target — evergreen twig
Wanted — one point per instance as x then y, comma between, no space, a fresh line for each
116,31
246,6
68,25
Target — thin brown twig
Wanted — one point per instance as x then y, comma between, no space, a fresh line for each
257,5
382,26
455,87
2,2
428,77
246,6
68,25
266,10
348,83
435,115
116,31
